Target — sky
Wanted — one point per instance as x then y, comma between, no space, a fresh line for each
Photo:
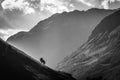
22,15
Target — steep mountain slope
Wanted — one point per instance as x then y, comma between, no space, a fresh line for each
16,65
99,57
58,35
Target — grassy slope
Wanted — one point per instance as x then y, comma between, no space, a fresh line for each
16,65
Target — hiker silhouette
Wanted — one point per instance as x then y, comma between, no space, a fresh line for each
42,61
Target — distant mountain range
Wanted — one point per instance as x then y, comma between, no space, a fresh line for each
99,57
16,65
59,35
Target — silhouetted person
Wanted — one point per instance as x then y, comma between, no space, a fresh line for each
42,61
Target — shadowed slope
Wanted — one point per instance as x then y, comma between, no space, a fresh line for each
16,65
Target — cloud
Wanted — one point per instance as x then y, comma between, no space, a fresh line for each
107,3
54,6
86,2
4,23
18,4
5,33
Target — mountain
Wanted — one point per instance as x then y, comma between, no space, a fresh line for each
59,35
16,65
99,57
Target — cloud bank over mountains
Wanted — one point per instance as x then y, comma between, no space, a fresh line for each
24,14
53,6
26,6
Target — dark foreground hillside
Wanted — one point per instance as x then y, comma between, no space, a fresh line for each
16,65
99,57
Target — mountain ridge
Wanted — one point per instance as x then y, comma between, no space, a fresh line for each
57,14
59,35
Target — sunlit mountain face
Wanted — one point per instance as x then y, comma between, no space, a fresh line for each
60,35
